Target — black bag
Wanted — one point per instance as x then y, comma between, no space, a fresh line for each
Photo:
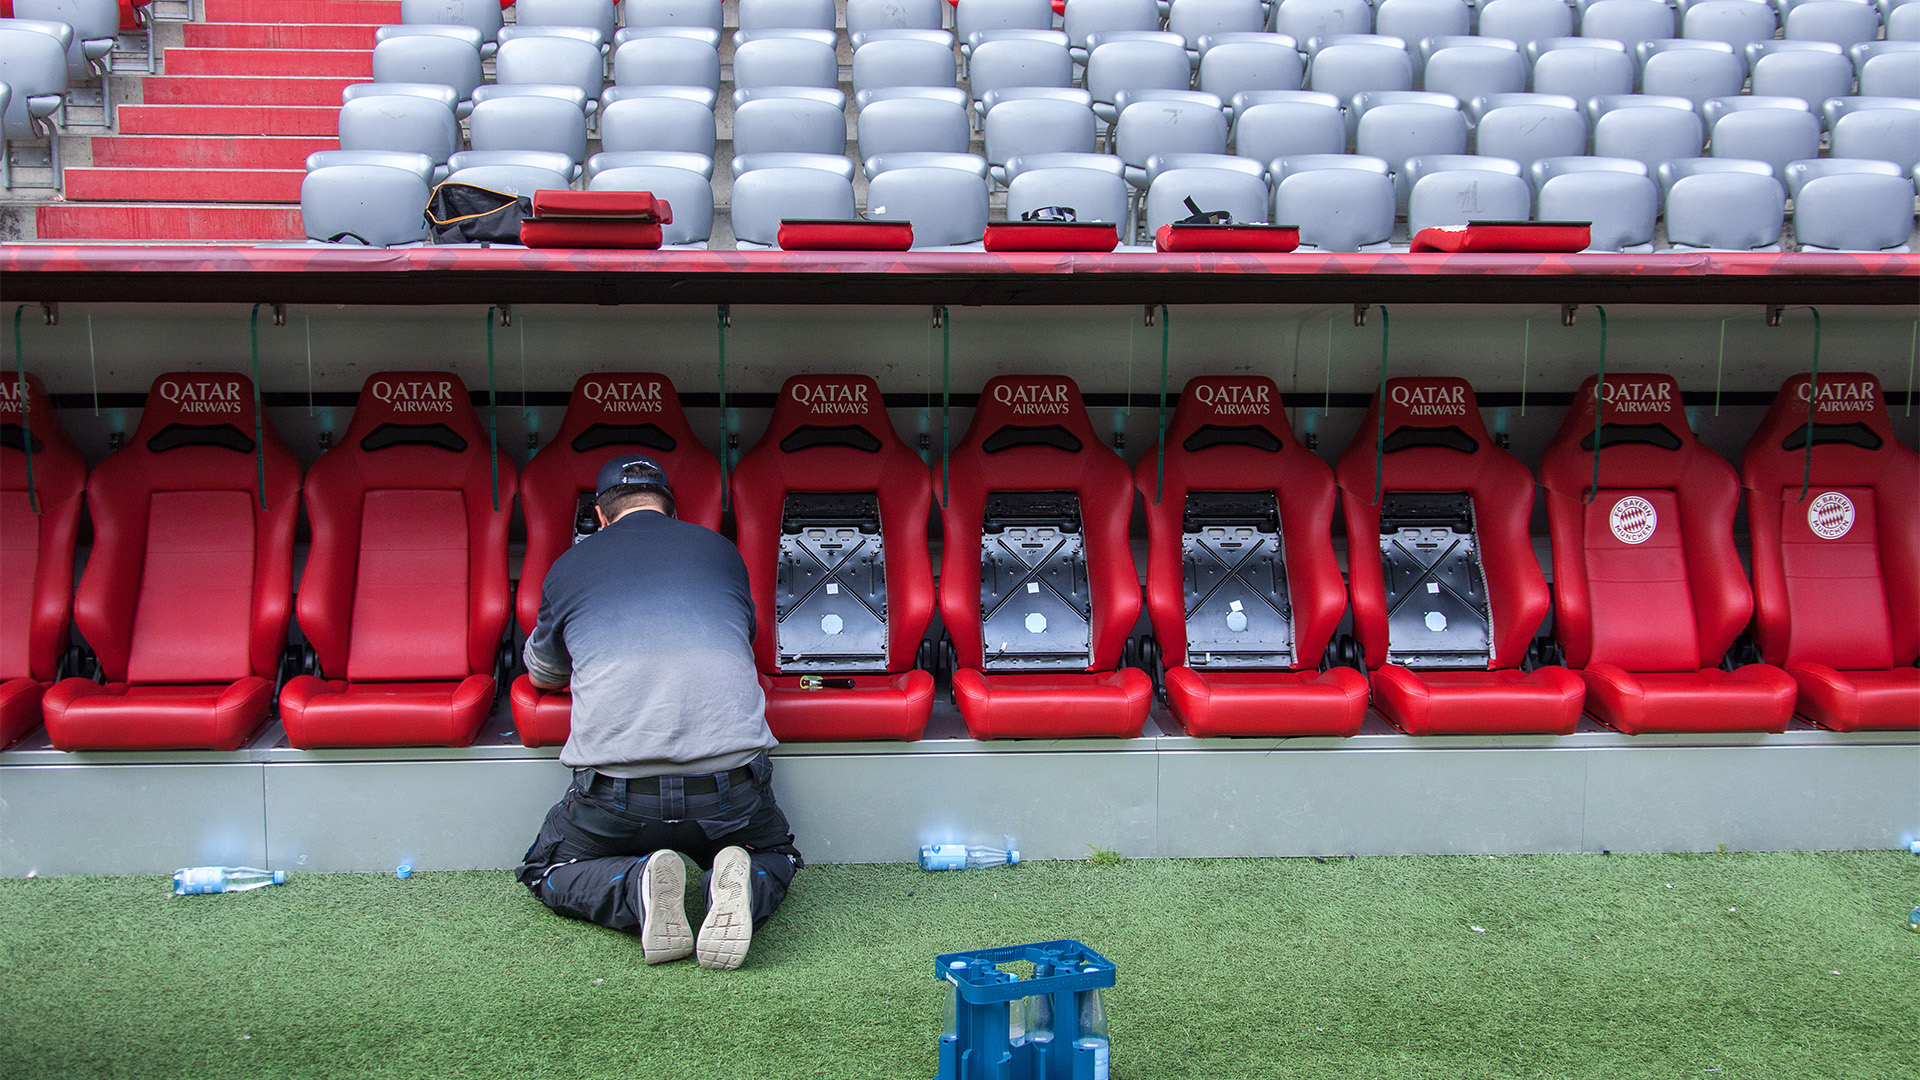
465,214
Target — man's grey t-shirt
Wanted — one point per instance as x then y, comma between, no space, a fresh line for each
651,621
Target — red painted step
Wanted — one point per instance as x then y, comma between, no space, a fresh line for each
242,90
276,36
99,221
300,63
227,120
190,152
353,12
184,185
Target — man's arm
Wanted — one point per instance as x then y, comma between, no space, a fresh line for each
549,667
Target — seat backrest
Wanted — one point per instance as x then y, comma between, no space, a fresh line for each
672,13
1345,70
1459,196
375,204
1168,127
1836,542
191,576
1622,206
1030,434
1526,20
400,122
428,59
667,61
1725,211
1133,64
785,62
1629,22
865,15
789,125
529,123
1583,73
558,61
608,413
407,575
1336,209
1037,126
657,124
593,13
1092,194
946,206
1694,74
482,15
1235,67
828,479
1303,19
907,62
1468,71
764,197
1651,136
36,592
1842,23
1856,212
1645,573
1736,22
1812,77
1434,441
1242,195
687,191
1527,133
1880,135
1288,129
1229,434
914,125
1002,15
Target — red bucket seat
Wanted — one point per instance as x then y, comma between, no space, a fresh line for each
405,591
1836,570
1037,583
609,413
36,549
1242,583
188,590
832,513
1447,608
1651,593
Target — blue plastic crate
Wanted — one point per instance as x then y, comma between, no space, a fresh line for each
980,1045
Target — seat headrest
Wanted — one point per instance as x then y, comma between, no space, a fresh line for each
1848,409
1426,411
1031,411
413,408
1641,408
609,409
197,408
35,420
1229,410
830,411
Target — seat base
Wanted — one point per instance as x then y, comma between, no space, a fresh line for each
1757,697
320,713
1257,703
542,717
875,707
83,715
19,708
1545,701
1858,700
1053,705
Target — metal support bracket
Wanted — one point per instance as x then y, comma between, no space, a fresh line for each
1774,311
1360,314
279,314
1567,313
1151,314
506,314
726,316
939,317
51,310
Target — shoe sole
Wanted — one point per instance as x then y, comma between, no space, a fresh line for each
728,928
664,933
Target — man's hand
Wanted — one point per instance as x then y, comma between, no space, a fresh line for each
539,685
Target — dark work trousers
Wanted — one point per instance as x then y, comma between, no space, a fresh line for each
586,861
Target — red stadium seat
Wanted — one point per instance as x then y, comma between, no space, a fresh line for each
1650,589
1037,583
1242,583
1447,610
188,590
608,414
36,549
1836,571
404,597
832,515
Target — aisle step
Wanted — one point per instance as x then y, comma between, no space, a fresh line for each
146,221
275,63
348,12
229,89
277,36
228,120
199,152
181,185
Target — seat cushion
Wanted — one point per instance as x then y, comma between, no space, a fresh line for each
1757,697
1068,704
19,708
84,715
1887,700
328,712
1268,702
875,707
542,717
1545,701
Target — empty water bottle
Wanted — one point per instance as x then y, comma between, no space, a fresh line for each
1091,1042
963,856
224,879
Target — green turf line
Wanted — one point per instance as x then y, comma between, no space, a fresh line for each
1763,966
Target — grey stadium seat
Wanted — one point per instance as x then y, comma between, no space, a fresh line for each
590,13
1133,64
1736,22
865,15
553,61
1695,70
1628,22
948,207
689,195
1024,126
785,62
657,124
1084,17
1417,20
667,61
1883,134
530,122
1398,132
1344,70
93,28
1168,122
482,15
1248,62
606,161
1094,194
1275,129
1623,207
1458,196
1527,133
1303,19
1336,209
902,62
789,120
1773,130
1582,68
375,197
1526,20
1842,22
1812,76
518,172
762,198
1016,62
1213,182
1891,75
1195,19
704,15
1649,134
1854,212
913,125
404,122
1468,71
33,64
787,14
1725,211
430,59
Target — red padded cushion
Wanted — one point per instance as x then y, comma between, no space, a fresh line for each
1279,238
1858,700
412,575
634,206
1111,704
1332,702
1757,697
1302,486
845,235
191,622
542,717
876,707
1640,612
1836,575
19,708
1545,701
558,475
625,235
897,476
83,715
1052,236
1505,236
36,591
321,713
1502,492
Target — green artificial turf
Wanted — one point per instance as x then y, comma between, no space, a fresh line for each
1774,966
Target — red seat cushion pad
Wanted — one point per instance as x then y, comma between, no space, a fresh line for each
1052,236
325,713
1506,236
1545,701
845,235
1111,704
595,233
542,717
83,715
19,708
1332,702
876,707
635,206
1757,697
1279,238
1884,700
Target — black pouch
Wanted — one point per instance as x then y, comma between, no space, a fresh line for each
465,214
1204,217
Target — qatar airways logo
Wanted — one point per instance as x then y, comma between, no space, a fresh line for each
1234,400
201,395
1033,399
1841,396
625,395
828,399
414,395
1430,400
11,392
1636,397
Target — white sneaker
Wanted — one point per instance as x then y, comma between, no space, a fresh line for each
728,928
664,933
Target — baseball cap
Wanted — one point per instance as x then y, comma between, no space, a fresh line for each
636,470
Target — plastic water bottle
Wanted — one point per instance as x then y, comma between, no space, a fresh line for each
1092,1039
224,879
963,856
1913,920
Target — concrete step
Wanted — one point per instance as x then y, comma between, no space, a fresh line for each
181,185
348,12
235,89
271,62
228,120
276,36
146,221
199,152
